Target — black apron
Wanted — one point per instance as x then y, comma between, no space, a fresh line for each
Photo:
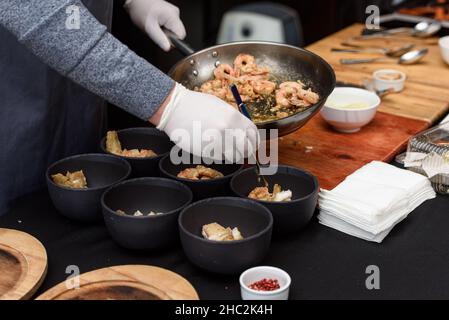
44,116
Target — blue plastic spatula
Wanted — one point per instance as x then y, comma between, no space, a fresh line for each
244,110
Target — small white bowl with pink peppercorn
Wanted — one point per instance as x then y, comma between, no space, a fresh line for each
265,283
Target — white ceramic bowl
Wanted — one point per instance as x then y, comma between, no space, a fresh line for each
350,120
381,84
264,272
444,48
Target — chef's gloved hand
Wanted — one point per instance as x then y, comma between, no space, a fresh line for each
151,15
205,126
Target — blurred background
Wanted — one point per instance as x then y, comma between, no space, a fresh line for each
209,22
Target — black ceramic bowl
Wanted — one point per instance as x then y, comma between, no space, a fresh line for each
202,189
145,194
101,171
143,138
253,220
288,216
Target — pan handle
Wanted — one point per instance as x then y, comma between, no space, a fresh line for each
179,44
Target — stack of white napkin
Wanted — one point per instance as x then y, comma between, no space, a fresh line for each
372,200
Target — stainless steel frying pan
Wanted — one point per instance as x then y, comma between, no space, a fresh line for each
287,63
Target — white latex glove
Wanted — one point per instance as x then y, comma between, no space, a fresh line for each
151,15
199,122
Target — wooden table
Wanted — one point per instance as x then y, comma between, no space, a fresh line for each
331,155
426,95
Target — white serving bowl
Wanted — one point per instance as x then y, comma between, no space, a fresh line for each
350,120
381,84
444,48
264,272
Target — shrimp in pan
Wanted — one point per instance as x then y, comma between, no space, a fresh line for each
214,87
224,72
263,87
246,63
272,100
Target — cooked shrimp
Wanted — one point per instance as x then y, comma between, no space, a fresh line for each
231,100
309,96
246,90
296,101
245,63
256,84
215,87
249,78
224,72
291,84
284,95
211,85
257,71
293,94
264,87
260,193
278,195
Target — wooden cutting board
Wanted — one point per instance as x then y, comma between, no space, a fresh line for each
332,156
23,264
426,95
128,282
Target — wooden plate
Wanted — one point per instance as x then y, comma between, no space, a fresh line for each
23,264
129,282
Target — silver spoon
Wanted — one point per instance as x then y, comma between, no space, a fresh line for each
368,85
410,57
426,29
423,29
389,52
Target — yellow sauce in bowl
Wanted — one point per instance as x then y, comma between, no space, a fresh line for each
348,106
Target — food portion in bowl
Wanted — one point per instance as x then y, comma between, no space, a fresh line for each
348,109
289,216
216,232
74,180
266,284
149,212
390,76
253,220
77,194
267,97
138,213
348,106
200,173
114,146
389,79
278,195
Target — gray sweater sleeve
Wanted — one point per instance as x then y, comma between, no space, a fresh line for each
89,55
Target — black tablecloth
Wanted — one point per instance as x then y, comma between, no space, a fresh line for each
323,263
